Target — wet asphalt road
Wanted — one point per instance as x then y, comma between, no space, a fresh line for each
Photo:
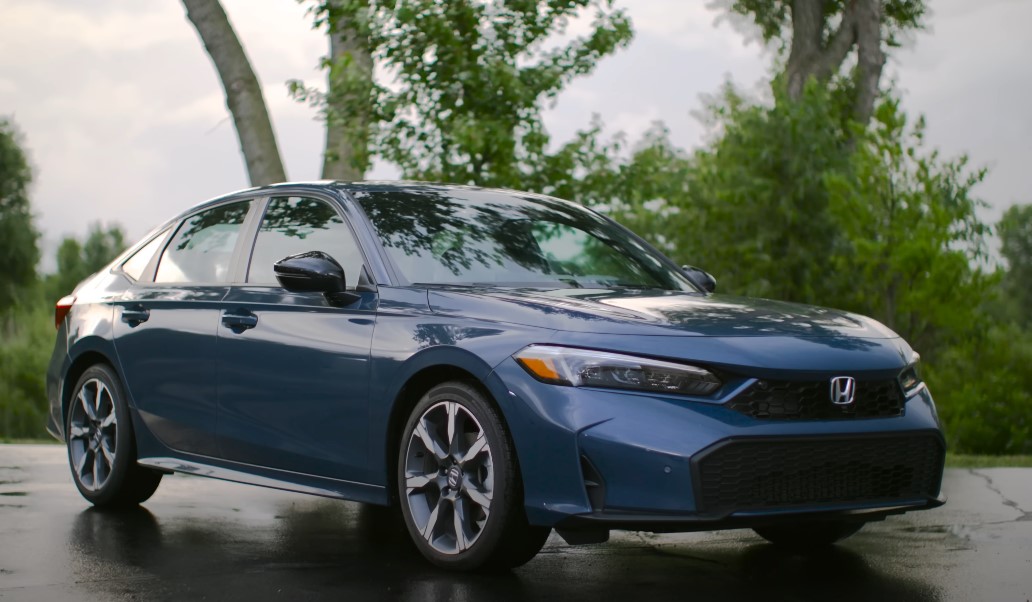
200,539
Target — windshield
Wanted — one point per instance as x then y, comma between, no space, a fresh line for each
437,235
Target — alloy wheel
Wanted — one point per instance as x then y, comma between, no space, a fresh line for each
92,434
449,477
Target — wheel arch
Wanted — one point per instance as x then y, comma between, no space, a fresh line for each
422,376
86,356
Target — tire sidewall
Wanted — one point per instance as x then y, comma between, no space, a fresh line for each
503,502
124,445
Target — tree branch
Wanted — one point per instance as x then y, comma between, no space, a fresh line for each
807,24
838,46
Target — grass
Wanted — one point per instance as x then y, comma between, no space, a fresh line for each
40,441
972,461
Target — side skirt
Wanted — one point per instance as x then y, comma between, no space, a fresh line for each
272,478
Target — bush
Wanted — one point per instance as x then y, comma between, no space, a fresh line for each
28,337
984,392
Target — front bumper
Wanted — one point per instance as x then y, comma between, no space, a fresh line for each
593,458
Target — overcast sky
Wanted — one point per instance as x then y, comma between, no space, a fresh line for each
125,120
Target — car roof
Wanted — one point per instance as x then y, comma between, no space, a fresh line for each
343,188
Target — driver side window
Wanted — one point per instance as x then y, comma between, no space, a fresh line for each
298,225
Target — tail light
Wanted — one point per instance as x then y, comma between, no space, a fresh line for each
64,305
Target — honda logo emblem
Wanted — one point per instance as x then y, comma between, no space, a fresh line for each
843,390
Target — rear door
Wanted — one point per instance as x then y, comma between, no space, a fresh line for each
293,367
166,326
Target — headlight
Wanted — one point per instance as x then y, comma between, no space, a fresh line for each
587,368
910,378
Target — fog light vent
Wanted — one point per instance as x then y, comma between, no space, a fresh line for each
594,486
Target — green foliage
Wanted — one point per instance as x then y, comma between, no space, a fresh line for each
765,222
1015,232
27,339
983,387
912,238
469,81
790,201
348,105
27,331
987,461
18,236
77,260
644,186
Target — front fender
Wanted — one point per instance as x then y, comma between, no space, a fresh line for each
406,345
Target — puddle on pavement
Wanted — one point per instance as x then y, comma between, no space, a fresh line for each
967,535
930,529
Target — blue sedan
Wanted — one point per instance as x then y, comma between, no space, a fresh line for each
496,364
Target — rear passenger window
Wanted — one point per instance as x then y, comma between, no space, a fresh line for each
202,248
298,225
138,261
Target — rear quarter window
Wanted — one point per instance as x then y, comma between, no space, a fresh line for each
138,261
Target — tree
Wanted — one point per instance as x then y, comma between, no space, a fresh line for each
983,389
18,235
759,196
645,185
23,342
1015,232
26,340
819,36
348,107
913,242
469,81
78,260
243,92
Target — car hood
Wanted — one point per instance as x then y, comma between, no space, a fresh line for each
606,311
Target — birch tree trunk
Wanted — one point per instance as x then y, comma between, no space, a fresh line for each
348,102
870,58
243,92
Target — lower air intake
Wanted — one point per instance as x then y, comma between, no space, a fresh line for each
769,473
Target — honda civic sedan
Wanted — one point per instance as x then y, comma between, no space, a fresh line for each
495,364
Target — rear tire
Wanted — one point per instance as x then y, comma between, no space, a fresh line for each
811,535
459,484
101,444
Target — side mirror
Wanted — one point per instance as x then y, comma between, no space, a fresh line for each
314,271
700,278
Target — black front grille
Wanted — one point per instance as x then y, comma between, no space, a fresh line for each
811,400
769,473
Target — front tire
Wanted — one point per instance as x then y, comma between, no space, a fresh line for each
459,484
101,444
807,536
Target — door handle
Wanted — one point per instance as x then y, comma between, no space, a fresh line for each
135,315
239,321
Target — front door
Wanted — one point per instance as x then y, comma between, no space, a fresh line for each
293,367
